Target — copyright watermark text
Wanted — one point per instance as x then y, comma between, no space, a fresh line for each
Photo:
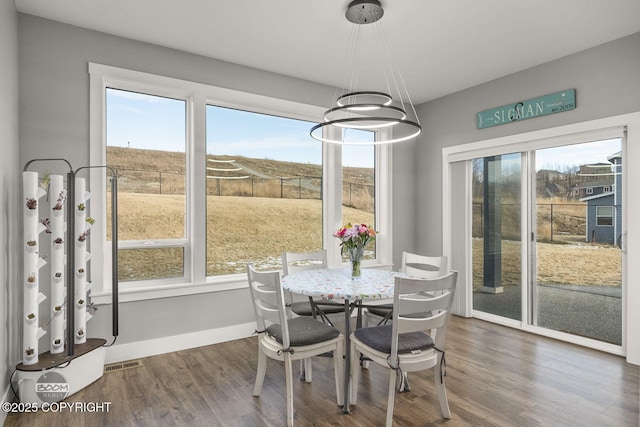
56,407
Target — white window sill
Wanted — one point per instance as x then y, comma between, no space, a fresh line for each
154,290
145,292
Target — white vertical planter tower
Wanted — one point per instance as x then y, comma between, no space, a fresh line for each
68,314
82,256
32,332
57,261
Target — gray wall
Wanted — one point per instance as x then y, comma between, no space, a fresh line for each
607,83
10,295
54,122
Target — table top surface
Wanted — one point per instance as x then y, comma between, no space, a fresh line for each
336,283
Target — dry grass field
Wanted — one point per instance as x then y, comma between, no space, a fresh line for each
295,225
242,227
277,208
568,264
239,230
562,255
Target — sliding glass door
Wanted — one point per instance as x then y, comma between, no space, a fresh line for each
577,267
546,238
496,242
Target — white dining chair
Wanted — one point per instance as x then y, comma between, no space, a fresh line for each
404,345
288,339
414,265
300,305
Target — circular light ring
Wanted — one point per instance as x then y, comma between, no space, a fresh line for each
364,11
346,112
341,124
374,95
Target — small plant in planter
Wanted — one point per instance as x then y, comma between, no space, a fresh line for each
58,241
30,351
31,203
47,225
31,278
83,236
60,201
46,179
92,308
31,243
81,206
90,220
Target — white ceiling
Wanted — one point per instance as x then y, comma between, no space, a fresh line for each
440,47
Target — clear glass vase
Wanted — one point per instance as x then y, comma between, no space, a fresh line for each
355,256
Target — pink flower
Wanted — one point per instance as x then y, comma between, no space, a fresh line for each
355,236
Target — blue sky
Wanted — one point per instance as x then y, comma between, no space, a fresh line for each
151,122
568,157
576,155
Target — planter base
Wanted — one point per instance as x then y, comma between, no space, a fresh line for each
85,367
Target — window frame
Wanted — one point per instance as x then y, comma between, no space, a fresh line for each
197,96
160,243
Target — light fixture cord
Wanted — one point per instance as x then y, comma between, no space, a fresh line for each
395,75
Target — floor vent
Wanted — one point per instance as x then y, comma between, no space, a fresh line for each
123,365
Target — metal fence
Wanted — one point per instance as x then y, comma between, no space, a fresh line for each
359,196
554,221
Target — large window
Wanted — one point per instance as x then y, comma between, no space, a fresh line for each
264,189
358,185
210,179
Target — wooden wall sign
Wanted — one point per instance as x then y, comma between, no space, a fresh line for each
536,107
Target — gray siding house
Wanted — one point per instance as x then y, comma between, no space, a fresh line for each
604,213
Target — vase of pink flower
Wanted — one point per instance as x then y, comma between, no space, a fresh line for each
353,240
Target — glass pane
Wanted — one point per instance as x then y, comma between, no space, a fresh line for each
146,146
578,258
264,190
358,185
147,264
496,251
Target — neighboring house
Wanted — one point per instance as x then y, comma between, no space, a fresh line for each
592,180
604,202
554,190
552,183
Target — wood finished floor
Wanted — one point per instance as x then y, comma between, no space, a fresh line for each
496,376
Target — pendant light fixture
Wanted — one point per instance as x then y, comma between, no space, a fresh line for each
393,119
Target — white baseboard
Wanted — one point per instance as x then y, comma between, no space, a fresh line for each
6,397
136,350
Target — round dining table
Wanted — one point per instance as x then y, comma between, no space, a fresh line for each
330,284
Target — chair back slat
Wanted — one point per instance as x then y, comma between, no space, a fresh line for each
293,262
410,324
422,303
423,266
268,300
